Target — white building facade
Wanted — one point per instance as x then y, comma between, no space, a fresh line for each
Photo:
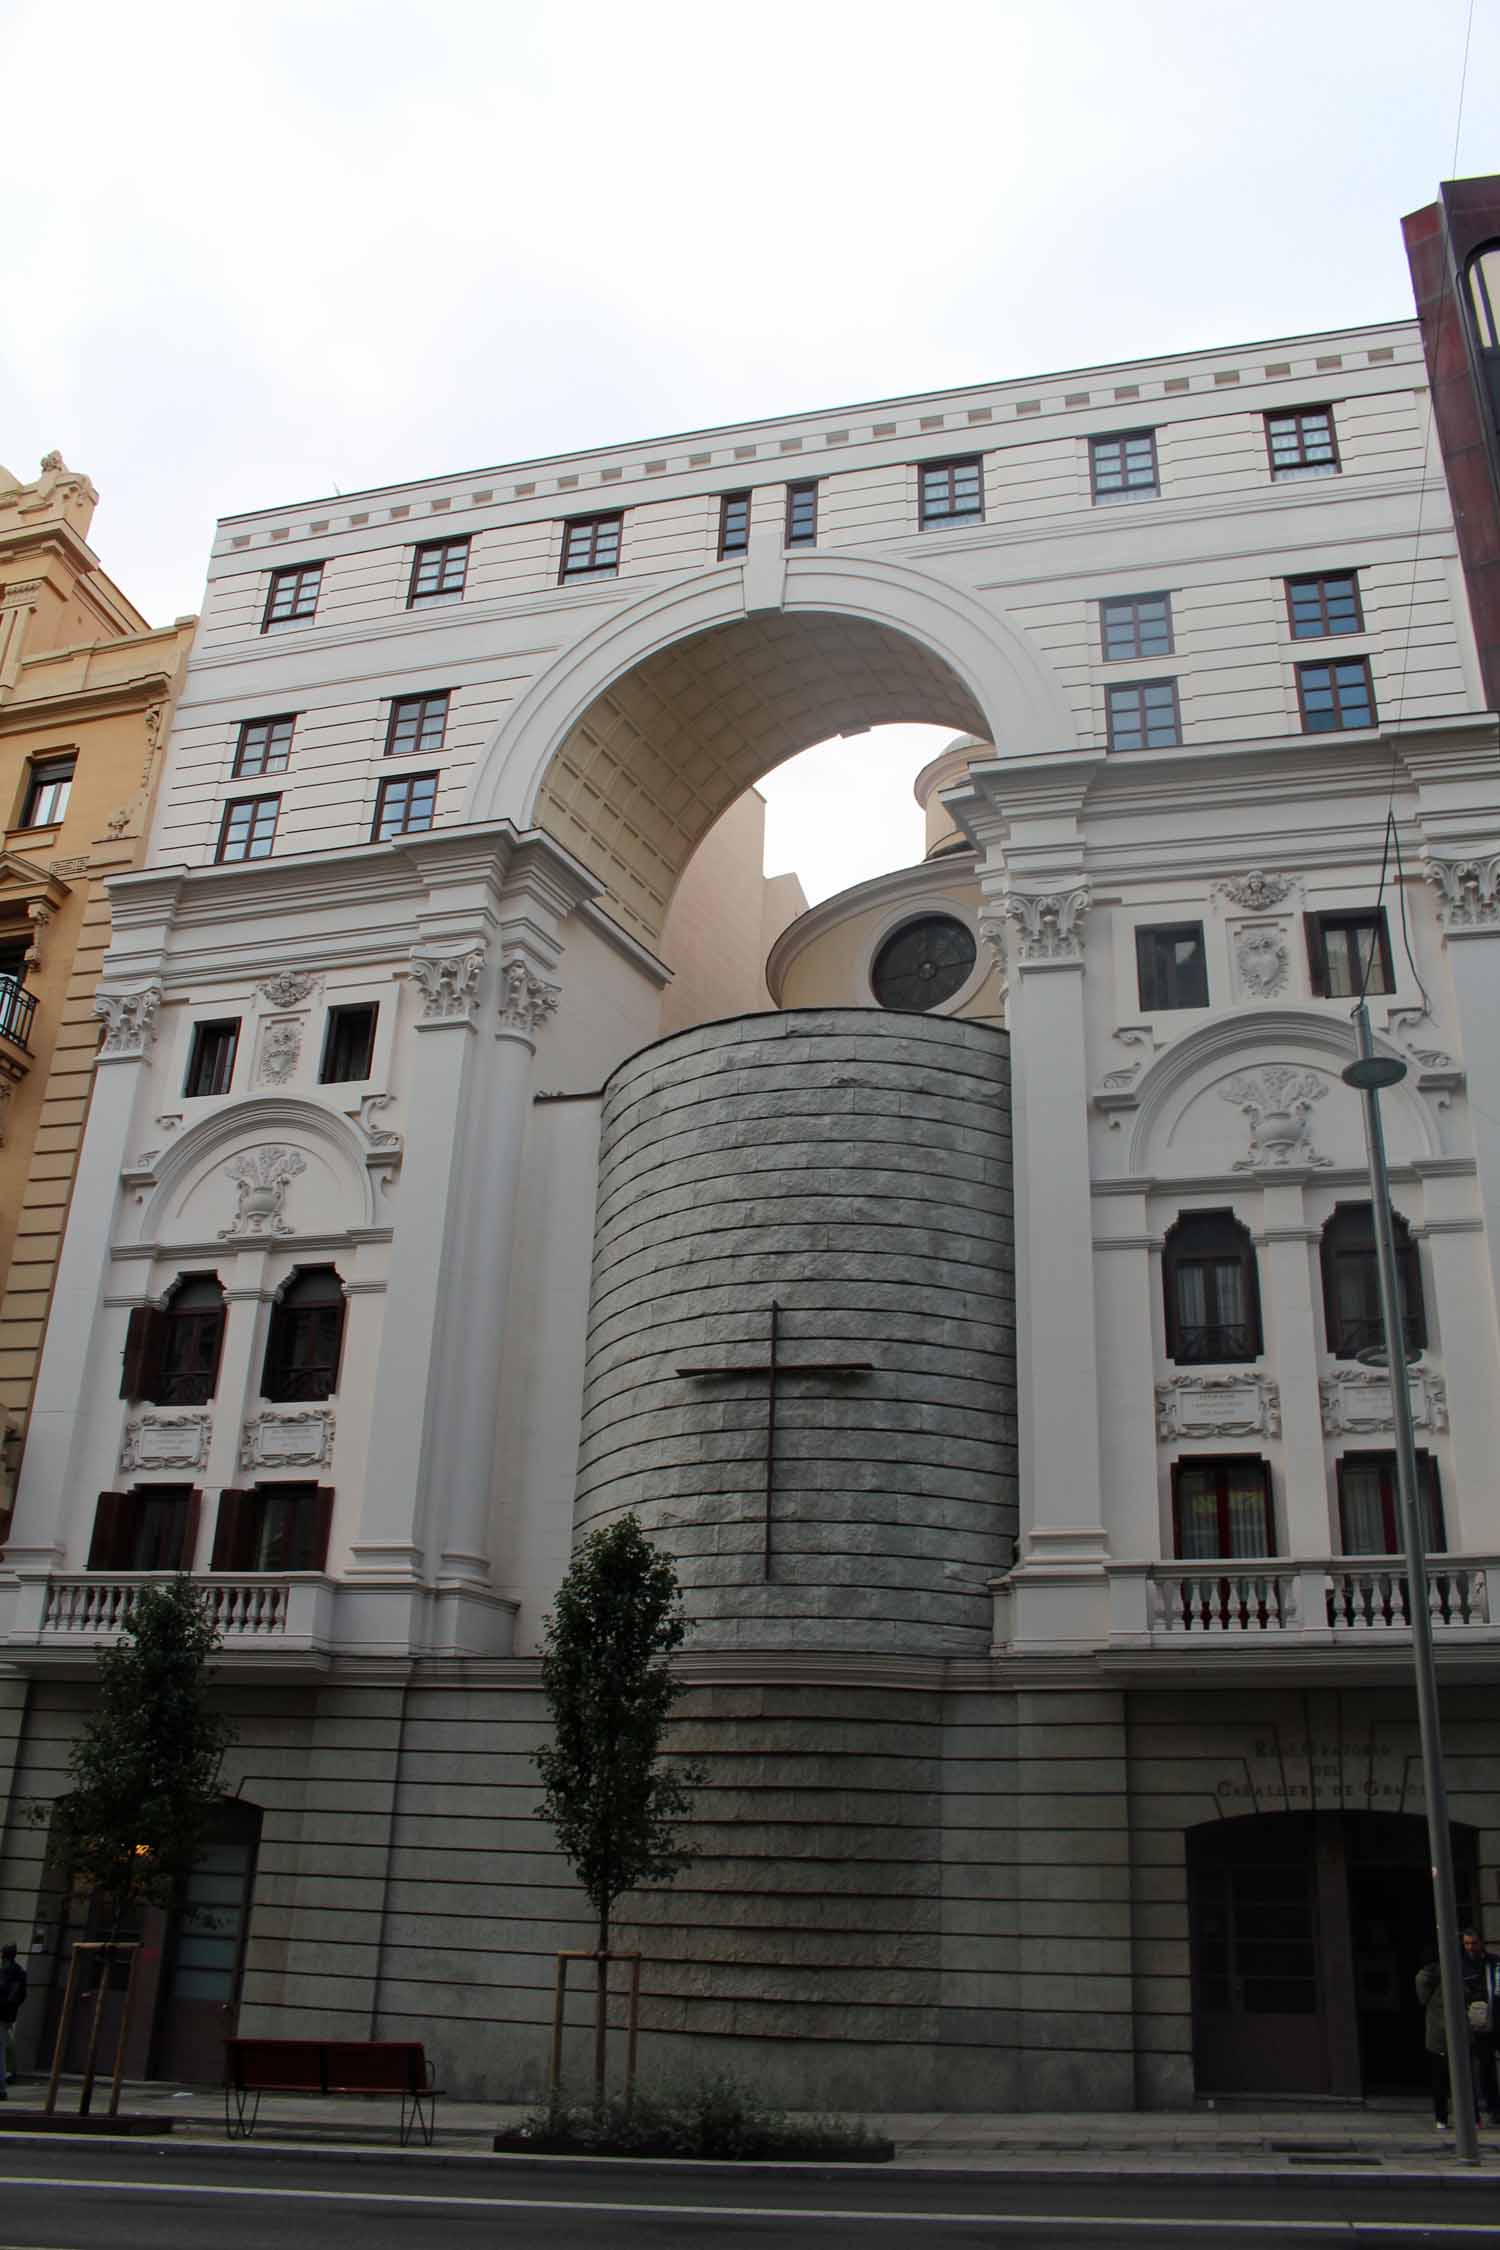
1052,1668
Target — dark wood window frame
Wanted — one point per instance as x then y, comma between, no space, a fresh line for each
49,785
1296,448
305,1337
152,1527
1225,1468
173,1350
1320,619
802,513
349,1039
403,791
1346,1249
1157,978
418,724
264,746
950,491
1383,1464
1347,711
1121,696
1140,630
240,1528
292,596
211,1058
1325,984
734,525
255,819
591,547
1207,1241
1134,475
444,564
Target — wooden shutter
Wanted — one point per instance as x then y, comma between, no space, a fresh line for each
317,1552
233,1531
145,1339
192,1509
1317,955
109,1546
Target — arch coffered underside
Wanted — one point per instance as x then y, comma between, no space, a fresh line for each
649,767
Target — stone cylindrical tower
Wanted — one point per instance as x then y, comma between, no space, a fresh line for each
853,1168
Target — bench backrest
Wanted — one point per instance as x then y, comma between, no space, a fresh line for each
326,2066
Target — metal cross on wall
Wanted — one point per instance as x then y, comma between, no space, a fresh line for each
777,1371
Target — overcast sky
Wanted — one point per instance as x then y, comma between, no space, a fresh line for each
252,252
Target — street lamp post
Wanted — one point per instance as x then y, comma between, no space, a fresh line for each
1369,1072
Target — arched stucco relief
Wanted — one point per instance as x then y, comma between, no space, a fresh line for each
1202,1102
634,742
305,1170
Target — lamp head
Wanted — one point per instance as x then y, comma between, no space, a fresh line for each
1370,1072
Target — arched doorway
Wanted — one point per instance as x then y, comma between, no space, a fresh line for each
1307,1931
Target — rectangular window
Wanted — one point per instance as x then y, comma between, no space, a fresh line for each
1335,696
405,805
418,726
211,1058
1123,467
280,1527
293,597
1143,715
1171,966
265,746
734,524
249,828
1221,1508
1136,625
1348,953
951,492
49,784
1320,606
591,548
348,1045
439,570
802,515
1302,444
151,1528
1370,1505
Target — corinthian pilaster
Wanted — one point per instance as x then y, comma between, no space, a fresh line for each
1468,889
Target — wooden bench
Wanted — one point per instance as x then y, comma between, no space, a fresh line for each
253,2067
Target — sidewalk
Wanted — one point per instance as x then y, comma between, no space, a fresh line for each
1395,2139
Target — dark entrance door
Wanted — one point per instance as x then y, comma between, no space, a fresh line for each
205,1952
1307,1932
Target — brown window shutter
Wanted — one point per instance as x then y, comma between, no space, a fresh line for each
1317,955
140,1374
231,1532
190,1515
110,1524
317,1557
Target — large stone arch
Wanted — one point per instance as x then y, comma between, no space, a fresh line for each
173,1185
630,746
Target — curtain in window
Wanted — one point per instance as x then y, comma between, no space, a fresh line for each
1364,1511
1246,1493
1198,1513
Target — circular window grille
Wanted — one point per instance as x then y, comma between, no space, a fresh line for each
923,964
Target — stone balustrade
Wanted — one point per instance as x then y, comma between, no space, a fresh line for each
1333,1599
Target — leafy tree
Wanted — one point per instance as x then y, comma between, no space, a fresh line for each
145,1767
613,1804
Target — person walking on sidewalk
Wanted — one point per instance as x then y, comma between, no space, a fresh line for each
13,1987
1481,1994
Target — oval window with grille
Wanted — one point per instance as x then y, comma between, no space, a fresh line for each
923,963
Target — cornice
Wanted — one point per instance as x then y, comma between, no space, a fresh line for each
75,706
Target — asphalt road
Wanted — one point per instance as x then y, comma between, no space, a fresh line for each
60,2196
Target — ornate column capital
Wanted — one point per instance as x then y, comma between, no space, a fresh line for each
526,1000
449,984
1468,888
129,1020
1051,923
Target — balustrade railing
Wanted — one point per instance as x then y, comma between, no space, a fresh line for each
97,1607
1346,1595
1213,1600
17,1007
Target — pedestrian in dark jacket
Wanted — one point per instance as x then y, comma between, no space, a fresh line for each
12,1993
1481,1990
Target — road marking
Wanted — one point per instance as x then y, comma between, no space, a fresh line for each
1365,2229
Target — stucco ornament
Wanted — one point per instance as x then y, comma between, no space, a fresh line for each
288,988
1237,1403
526,1000
1278,1103
39,915
279,1051
1402,1024
1262,960
292,1438
1356,1400
1050,922
1257,891
449,983
364,1115
1468,889
129,1019
165,1441
261,1178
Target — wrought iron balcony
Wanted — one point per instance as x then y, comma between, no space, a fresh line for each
17,1007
